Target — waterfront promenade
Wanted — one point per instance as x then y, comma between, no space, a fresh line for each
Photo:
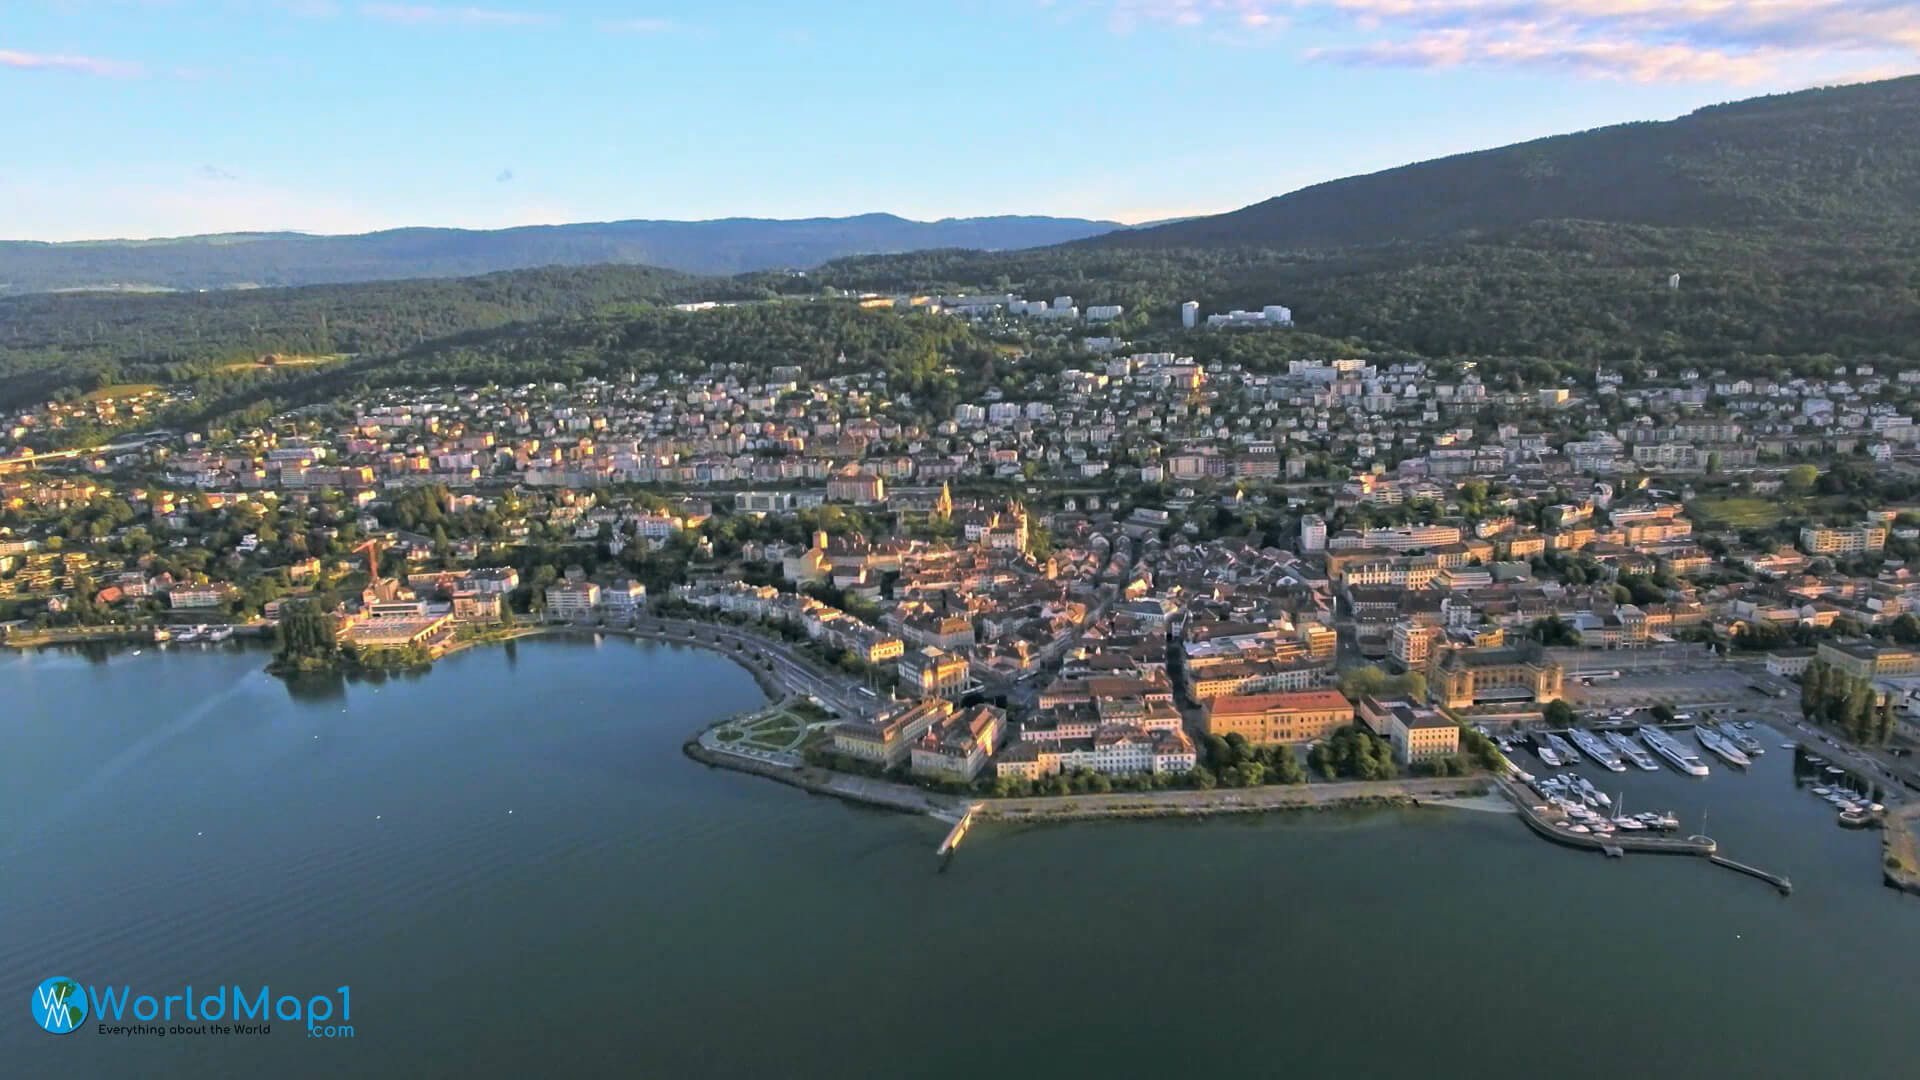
1234,800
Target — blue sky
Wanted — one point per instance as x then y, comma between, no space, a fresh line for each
137,118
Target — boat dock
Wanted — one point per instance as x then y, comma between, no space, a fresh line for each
1546,825
958,831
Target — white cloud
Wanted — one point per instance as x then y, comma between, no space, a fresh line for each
1591,58
1732,41
85,65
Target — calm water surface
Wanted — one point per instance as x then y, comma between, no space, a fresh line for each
181,817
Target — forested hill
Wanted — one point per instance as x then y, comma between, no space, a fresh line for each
1844,158
51,343
728,246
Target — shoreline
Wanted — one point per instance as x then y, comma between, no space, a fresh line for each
887,794
1900,844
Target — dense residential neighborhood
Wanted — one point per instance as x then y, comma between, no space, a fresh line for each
1137,555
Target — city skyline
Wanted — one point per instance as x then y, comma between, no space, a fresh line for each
141,118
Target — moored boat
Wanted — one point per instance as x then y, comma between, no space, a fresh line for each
1563,748
1632,751
1720,747
1679,756
1596,748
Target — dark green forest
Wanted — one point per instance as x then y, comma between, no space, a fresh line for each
1804,164
1570,293
72,343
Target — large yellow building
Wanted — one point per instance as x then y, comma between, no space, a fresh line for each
1462,678
1267,719
1864,660
931,672
888,739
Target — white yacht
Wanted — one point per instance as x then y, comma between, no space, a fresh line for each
1663,744
1723,749
1596,748
1561,747
1633,751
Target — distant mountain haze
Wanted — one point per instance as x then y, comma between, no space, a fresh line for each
725,246
1843,157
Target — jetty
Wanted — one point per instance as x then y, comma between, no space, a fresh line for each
958,831
1778,881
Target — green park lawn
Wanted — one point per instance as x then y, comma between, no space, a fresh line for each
1739,512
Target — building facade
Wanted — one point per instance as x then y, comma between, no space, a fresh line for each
1270,719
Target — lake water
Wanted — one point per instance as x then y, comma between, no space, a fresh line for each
180,817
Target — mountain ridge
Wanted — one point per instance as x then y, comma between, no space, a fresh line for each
713,246
1839,156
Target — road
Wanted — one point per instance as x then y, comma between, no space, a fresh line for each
790,669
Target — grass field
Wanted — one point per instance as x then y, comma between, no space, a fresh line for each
1739,512
768,731
284,361
120,390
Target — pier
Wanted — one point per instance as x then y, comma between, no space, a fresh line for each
958,831
1778,881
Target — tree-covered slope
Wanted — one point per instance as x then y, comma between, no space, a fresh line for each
727,246
1844,158
54,343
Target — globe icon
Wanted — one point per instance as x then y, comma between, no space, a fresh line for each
59,1005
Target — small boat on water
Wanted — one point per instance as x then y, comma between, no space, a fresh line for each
1549,755
1788,745
1593,796
1855,819
220,633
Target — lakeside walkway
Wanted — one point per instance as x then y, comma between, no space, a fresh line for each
1409,792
